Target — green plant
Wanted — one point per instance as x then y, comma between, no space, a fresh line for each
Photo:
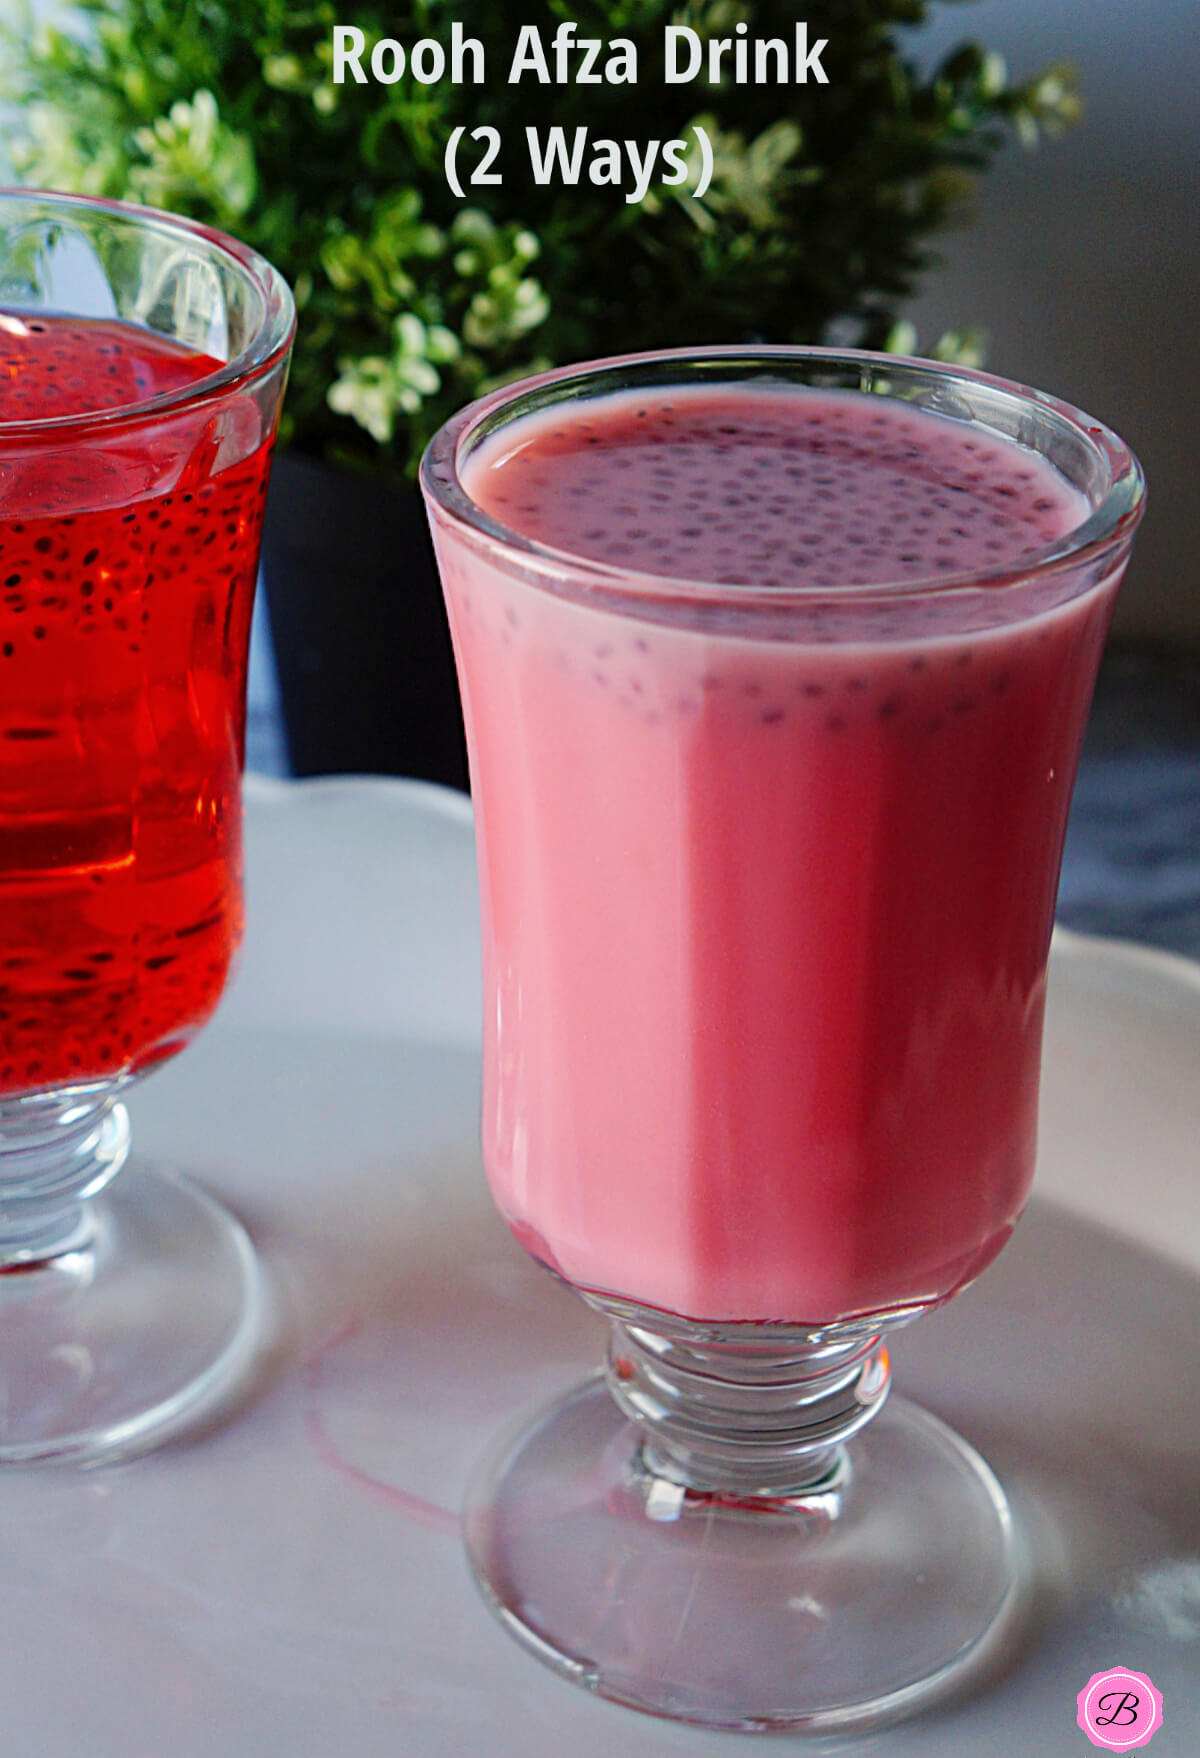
821,211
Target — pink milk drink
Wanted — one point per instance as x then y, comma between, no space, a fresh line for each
768,897
775,666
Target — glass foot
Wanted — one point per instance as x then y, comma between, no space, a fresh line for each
144,1327
856,1601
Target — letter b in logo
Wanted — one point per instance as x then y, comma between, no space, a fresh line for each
1119,1710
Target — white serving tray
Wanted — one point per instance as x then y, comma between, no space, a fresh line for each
289,1584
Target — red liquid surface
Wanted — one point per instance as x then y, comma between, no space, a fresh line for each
127,570
767,900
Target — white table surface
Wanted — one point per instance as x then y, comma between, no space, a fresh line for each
290,1581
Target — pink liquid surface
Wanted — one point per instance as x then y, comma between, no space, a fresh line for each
767,900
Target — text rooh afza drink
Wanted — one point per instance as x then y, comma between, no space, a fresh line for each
142,364
775,669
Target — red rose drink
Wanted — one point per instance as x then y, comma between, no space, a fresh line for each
124,616
142,365
767,903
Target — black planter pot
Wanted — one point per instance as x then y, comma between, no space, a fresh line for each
362,648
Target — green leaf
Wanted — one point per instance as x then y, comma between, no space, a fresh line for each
823,214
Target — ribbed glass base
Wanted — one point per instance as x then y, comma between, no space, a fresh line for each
621,1537
142,1328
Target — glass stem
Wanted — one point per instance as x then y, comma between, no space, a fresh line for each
743,1420
57,1150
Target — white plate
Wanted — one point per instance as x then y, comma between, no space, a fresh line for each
290,1584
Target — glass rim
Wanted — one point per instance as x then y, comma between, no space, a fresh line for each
1110,525
270,343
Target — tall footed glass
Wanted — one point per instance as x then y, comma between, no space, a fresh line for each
775,665
142,365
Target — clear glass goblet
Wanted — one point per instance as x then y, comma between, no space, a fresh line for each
768,845
142,366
